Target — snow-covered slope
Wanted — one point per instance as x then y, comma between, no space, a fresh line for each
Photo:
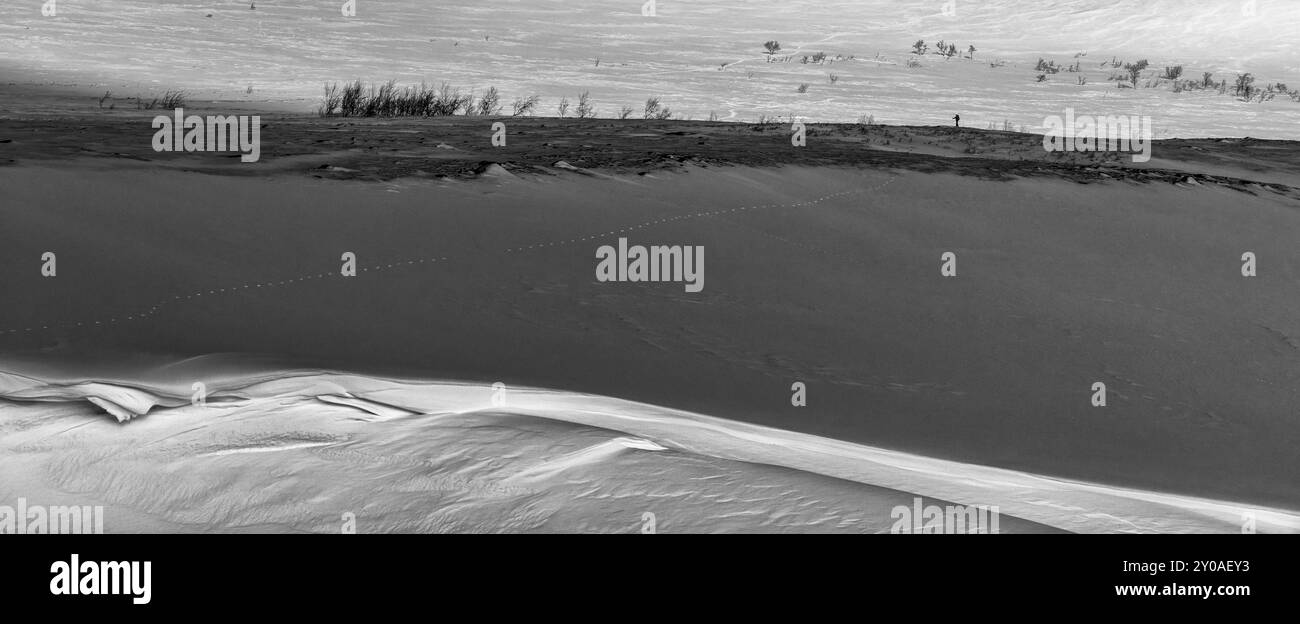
297,450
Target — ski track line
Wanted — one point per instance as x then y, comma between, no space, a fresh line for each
252,286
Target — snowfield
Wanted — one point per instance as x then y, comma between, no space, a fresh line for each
700,58
295,451
401,324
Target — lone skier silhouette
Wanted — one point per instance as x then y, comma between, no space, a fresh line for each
956,119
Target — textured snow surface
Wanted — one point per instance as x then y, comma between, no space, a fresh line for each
699,57
298,450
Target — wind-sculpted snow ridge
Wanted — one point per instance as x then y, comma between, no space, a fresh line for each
301,450
122,402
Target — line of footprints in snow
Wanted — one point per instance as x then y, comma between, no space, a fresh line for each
350,269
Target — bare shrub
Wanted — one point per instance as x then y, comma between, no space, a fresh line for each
525,106
490,103
655,110
585,109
